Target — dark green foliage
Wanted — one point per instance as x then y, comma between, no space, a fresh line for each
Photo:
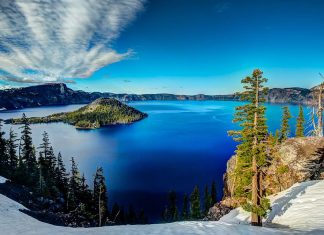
185,215
213,193
131,217
207,200
171,213
12,152
61,176
115,214
47,164
101,112
27,165
142,219
252,140
300,123
74,187
100,199
4,161
195,209
285,129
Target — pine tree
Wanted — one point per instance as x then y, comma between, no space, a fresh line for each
100,198
115,213
142,219
195,210
12,153
45,145
28,163
61,176
41,182
207,200
48,165
213,193
172,213
285,129
300,123
185,208
131,215
251,151
85,198
4,161
74,187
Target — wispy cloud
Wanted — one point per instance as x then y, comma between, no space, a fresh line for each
54,40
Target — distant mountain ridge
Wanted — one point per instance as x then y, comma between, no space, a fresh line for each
60,94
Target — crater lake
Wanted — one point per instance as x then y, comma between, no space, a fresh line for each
181,144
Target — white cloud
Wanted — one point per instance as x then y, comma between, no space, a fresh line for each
52,40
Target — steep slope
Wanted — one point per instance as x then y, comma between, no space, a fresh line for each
101,112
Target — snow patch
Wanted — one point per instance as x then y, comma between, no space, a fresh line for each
298,210
3,180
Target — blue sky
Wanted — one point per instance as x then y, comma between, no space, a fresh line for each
208,46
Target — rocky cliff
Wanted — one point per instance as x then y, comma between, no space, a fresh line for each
60,94
297,160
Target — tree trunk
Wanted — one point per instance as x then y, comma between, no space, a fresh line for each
255,220
320,113
100,192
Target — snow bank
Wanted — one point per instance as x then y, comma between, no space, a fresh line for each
13,221
300,208
2,180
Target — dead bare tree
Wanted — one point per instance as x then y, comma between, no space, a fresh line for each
318,127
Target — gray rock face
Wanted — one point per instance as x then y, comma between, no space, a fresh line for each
298,160
217,212
304,157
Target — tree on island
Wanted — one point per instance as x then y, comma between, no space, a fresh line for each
285,128
251,151
300,123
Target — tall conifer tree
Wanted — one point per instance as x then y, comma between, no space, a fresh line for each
28,163
207,200
74,187
213,193
251,152
285,128
300,123
100,198
185,208
4,161
195,209
12,152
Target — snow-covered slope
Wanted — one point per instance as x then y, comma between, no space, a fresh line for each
301,207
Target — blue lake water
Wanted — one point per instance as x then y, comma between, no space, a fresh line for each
181,144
